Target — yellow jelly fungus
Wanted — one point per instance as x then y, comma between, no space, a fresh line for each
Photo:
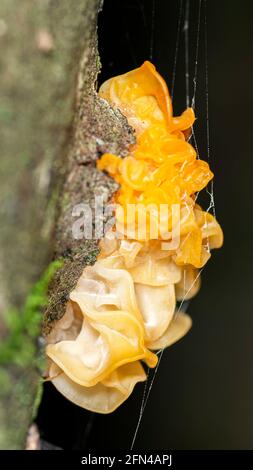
124,307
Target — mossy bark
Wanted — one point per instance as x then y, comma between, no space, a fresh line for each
97,129
53,128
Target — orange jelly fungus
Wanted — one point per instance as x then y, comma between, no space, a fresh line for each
124,307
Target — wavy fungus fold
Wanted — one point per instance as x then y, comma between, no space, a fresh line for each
123,308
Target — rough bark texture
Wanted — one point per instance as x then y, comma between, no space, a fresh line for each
97,129
49,64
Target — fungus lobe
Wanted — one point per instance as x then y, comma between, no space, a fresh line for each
123,308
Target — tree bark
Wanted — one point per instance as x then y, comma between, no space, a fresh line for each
53,128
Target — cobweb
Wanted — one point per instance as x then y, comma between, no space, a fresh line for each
183,27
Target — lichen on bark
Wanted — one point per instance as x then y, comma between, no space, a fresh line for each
53,128
97,129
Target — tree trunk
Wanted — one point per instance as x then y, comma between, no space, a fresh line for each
53,128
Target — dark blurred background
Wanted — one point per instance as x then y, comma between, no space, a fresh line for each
202,394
